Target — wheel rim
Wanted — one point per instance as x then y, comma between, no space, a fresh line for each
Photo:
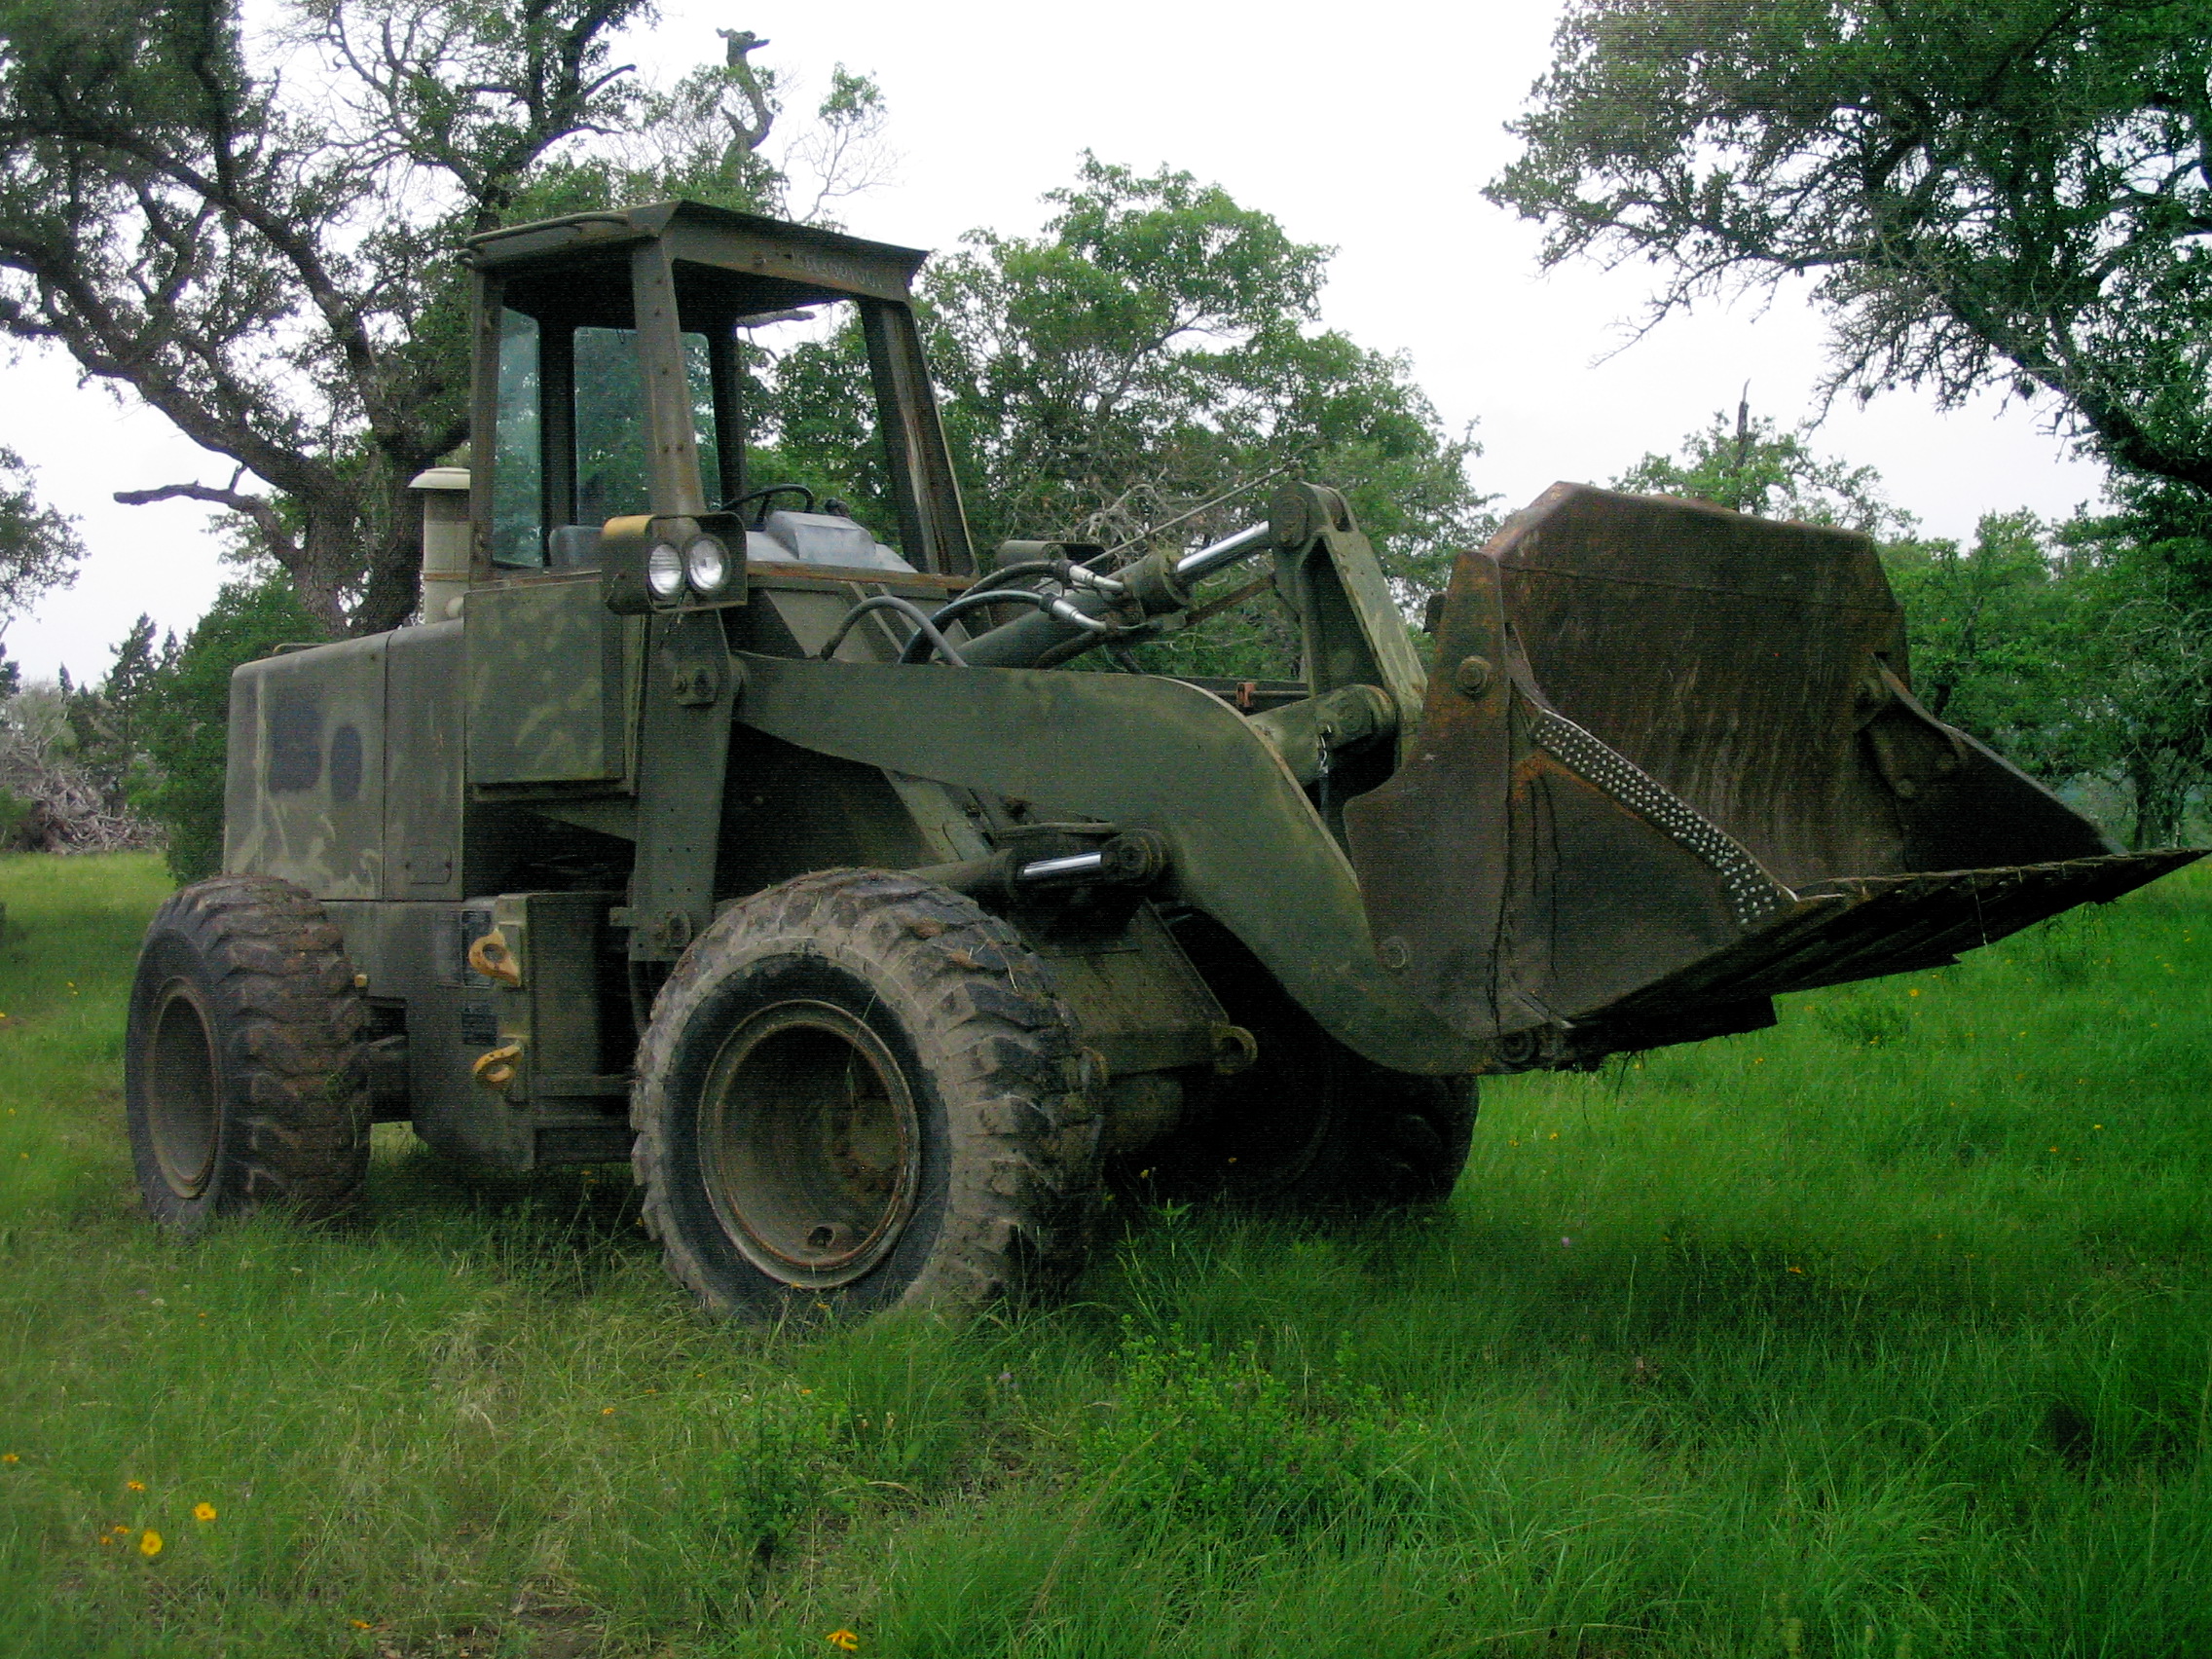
182,1090
809,1144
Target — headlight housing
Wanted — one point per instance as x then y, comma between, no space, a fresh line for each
664,570
706,564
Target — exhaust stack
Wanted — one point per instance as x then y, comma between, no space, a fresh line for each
445,539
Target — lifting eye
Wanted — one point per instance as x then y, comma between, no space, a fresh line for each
491,957
495,1068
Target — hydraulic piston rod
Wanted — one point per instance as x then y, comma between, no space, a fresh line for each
1029,640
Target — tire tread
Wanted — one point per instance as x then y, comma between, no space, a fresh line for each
1009,1066
289,1022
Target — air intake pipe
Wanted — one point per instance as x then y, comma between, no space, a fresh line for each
445,539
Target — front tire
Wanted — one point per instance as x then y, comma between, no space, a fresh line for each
242,1078
858,1091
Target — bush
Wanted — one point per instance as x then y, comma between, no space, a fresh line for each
188,726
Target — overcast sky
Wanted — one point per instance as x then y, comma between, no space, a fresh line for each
1370,129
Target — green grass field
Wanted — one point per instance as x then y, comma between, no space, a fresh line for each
1884,1333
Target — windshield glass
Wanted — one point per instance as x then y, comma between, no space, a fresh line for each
806,417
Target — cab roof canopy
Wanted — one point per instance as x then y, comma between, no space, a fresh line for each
726,265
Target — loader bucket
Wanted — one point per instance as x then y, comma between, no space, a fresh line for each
1671,765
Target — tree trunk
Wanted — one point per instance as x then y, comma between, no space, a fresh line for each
395,564
2159,799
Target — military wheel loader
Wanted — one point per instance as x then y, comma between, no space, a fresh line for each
791,851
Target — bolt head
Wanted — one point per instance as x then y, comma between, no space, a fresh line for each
1472,678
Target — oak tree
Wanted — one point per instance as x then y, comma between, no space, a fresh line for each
1979,192
255,230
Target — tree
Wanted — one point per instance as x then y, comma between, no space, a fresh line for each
254,231
1157,344
2004,638
2146,646
1153,347
108,720
1980,192
1749,466
39,551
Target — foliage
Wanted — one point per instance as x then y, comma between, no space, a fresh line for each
1750,467
254,230
39,547
109,720
2149,645
1763,1343
39,551
1153,347
187,723
1156,346
1980,193
2002,642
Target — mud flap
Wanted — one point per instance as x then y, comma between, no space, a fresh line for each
1669,765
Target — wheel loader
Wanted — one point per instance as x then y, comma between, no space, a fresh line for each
833,875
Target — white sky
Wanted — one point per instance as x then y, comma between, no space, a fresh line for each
1371,130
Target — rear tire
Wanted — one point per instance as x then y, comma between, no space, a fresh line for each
243,1074
1320,1127
859,1091
1311,1122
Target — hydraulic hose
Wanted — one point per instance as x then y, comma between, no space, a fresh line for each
924,629
1052,603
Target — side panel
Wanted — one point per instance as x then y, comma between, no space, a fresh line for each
304,786
545,692
423,759
1143,1006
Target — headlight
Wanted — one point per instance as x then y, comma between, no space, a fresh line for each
707,563
664,570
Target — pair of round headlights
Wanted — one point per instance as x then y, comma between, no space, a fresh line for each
703,564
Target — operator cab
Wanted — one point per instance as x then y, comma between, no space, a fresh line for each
618,358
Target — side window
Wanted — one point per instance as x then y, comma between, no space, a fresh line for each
814,414
612,474
518,538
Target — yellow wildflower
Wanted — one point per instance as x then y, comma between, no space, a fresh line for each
149,1543
134,1485
204,1512
843,1639
607,1411
9,1457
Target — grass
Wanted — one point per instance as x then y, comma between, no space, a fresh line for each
1885,1333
